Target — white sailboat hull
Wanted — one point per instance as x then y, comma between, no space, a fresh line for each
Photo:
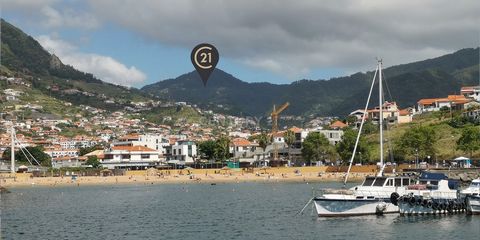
347,208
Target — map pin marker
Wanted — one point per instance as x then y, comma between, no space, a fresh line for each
204,58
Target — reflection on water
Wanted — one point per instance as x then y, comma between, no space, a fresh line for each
224,211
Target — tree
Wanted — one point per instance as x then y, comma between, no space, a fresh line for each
93,161
469,141
419,140
346,146
351,119
207,149
315,147
222,147
37,153
369,127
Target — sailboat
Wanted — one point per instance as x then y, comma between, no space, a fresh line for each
373,195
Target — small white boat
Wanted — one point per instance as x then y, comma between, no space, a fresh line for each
473,197
372,197
473,188
430,199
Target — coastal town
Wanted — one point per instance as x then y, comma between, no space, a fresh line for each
120,140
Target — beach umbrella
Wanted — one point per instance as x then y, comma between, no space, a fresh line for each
264,168
461,159
225,168
188,168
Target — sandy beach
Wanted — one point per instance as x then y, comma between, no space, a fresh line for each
195,176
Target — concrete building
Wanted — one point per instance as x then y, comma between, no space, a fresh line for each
472,92
153,141
242,148
62,162
130,157
183,152
435,104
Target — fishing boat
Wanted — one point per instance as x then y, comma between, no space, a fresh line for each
433,193
373,195
472,194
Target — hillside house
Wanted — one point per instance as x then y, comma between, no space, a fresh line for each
435,104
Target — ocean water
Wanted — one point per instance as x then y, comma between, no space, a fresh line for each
201,211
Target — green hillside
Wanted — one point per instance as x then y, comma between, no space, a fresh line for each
23,56
338,96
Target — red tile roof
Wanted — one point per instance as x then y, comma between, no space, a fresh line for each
133,148
241,142
296,129
338,124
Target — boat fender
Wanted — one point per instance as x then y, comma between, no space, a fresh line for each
429,204
419,201
380,208
394,198
443,206
435,205
412,201
424,202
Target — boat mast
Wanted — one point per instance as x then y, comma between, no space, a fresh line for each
361,127
12,150
380,120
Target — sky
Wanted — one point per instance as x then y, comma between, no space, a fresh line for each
139,42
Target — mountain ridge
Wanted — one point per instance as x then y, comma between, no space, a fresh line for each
407,82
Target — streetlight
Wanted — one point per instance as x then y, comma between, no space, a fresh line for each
416,158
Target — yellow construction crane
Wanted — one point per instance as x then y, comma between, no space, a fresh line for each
274,115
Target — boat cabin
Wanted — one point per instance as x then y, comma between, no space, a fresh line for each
386,182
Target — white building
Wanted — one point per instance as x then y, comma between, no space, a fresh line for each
435,104
184,152
333,136
472,92
130,157
62,162
153,141
242,148
60,152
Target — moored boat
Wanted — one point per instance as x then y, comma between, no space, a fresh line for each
433,194
473,197
371,197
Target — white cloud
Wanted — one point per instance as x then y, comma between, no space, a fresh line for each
46,13
293,37
104,67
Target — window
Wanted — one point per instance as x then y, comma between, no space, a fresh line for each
389,182
179,151
406,181
145,156
379,182
368,181
398,182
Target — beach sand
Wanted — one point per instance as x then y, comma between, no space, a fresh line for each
195,176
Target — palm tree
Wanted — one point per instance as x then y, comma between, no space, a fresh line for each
289,137
263,141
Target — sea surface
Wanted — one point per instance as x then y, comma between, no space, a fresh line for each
201,211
